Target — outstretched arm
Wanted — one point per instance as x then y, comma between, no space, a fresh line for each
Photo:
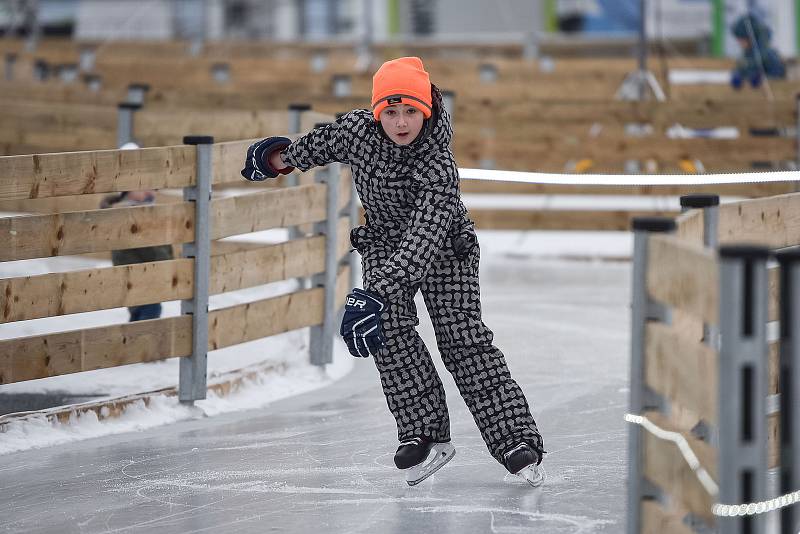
322,145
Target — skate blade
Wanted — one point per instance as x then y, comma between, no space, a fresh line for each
440,454
534,475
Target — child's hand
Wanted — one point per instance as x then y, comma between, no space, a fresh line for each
276,160
258,164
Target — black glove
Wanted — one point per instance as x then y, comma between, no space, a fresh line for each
361,324
257,167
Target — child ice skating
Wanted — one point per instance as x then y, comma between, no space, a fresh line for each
417,237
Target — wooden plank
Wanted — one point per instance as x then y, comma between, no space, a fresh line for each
78,173
342,285
665,467
683,276
48,295
657,520
774,292
244,265
267,209
773,221
71,203
690,227
162,127
267,317
42,356
512,219
682,370
238,270
37,236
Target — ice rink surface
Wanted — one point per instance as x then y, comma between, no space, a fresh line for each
322,461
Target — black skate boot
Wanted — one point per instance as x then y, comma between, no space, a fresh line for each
420,458
523,461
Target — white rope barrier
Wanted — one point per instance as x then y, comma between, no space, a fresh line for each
719,510
629,179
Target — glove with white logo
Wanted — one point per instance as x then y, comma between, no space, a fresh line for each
257,166
361,324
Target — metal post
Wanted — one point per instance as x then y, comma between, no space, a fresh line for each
68,72
642,311
488,73
137,93
743,381
295,116
789,387
364,50
449,101
221,72
11,59
710,206
319,61
321,342
87,57
125,111
295,127
797,131
193,370
530,50
342,85
642,49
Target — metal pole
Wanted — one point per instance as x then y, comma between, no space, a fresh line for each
642,49
364,50
87,57
342,85
137,93
295,127
321,342
193,370
789,387
221,73
449,101
710,206
642,311
125,111
743,384
797,131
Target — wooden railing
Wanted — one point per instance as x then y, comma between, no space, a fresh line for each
233,266
689,354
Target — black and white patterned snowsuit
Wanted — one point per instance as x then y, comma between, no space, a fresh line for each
413,213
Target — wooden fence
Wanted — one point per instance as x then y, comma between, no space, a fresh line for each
232,265
523,117
690,356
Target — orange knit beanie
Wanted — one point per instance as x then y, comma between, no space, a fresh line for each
401,81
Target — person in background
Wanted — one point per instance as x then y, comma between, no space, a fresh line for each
758,58
141,254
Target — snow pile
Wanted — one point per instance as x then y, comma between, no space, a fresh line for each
36,431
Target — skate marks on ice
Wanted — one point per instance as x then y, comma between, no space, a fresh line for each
322,462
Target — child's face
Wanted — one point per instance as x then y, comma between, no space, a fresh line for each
401,122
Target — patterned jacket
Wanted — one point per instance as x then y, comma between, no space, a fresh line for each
410,193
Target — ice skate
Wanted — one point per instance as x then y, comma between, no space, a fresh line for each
420,458
522,462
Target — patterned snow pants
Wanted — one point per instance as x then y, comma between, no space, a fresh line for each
413,390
